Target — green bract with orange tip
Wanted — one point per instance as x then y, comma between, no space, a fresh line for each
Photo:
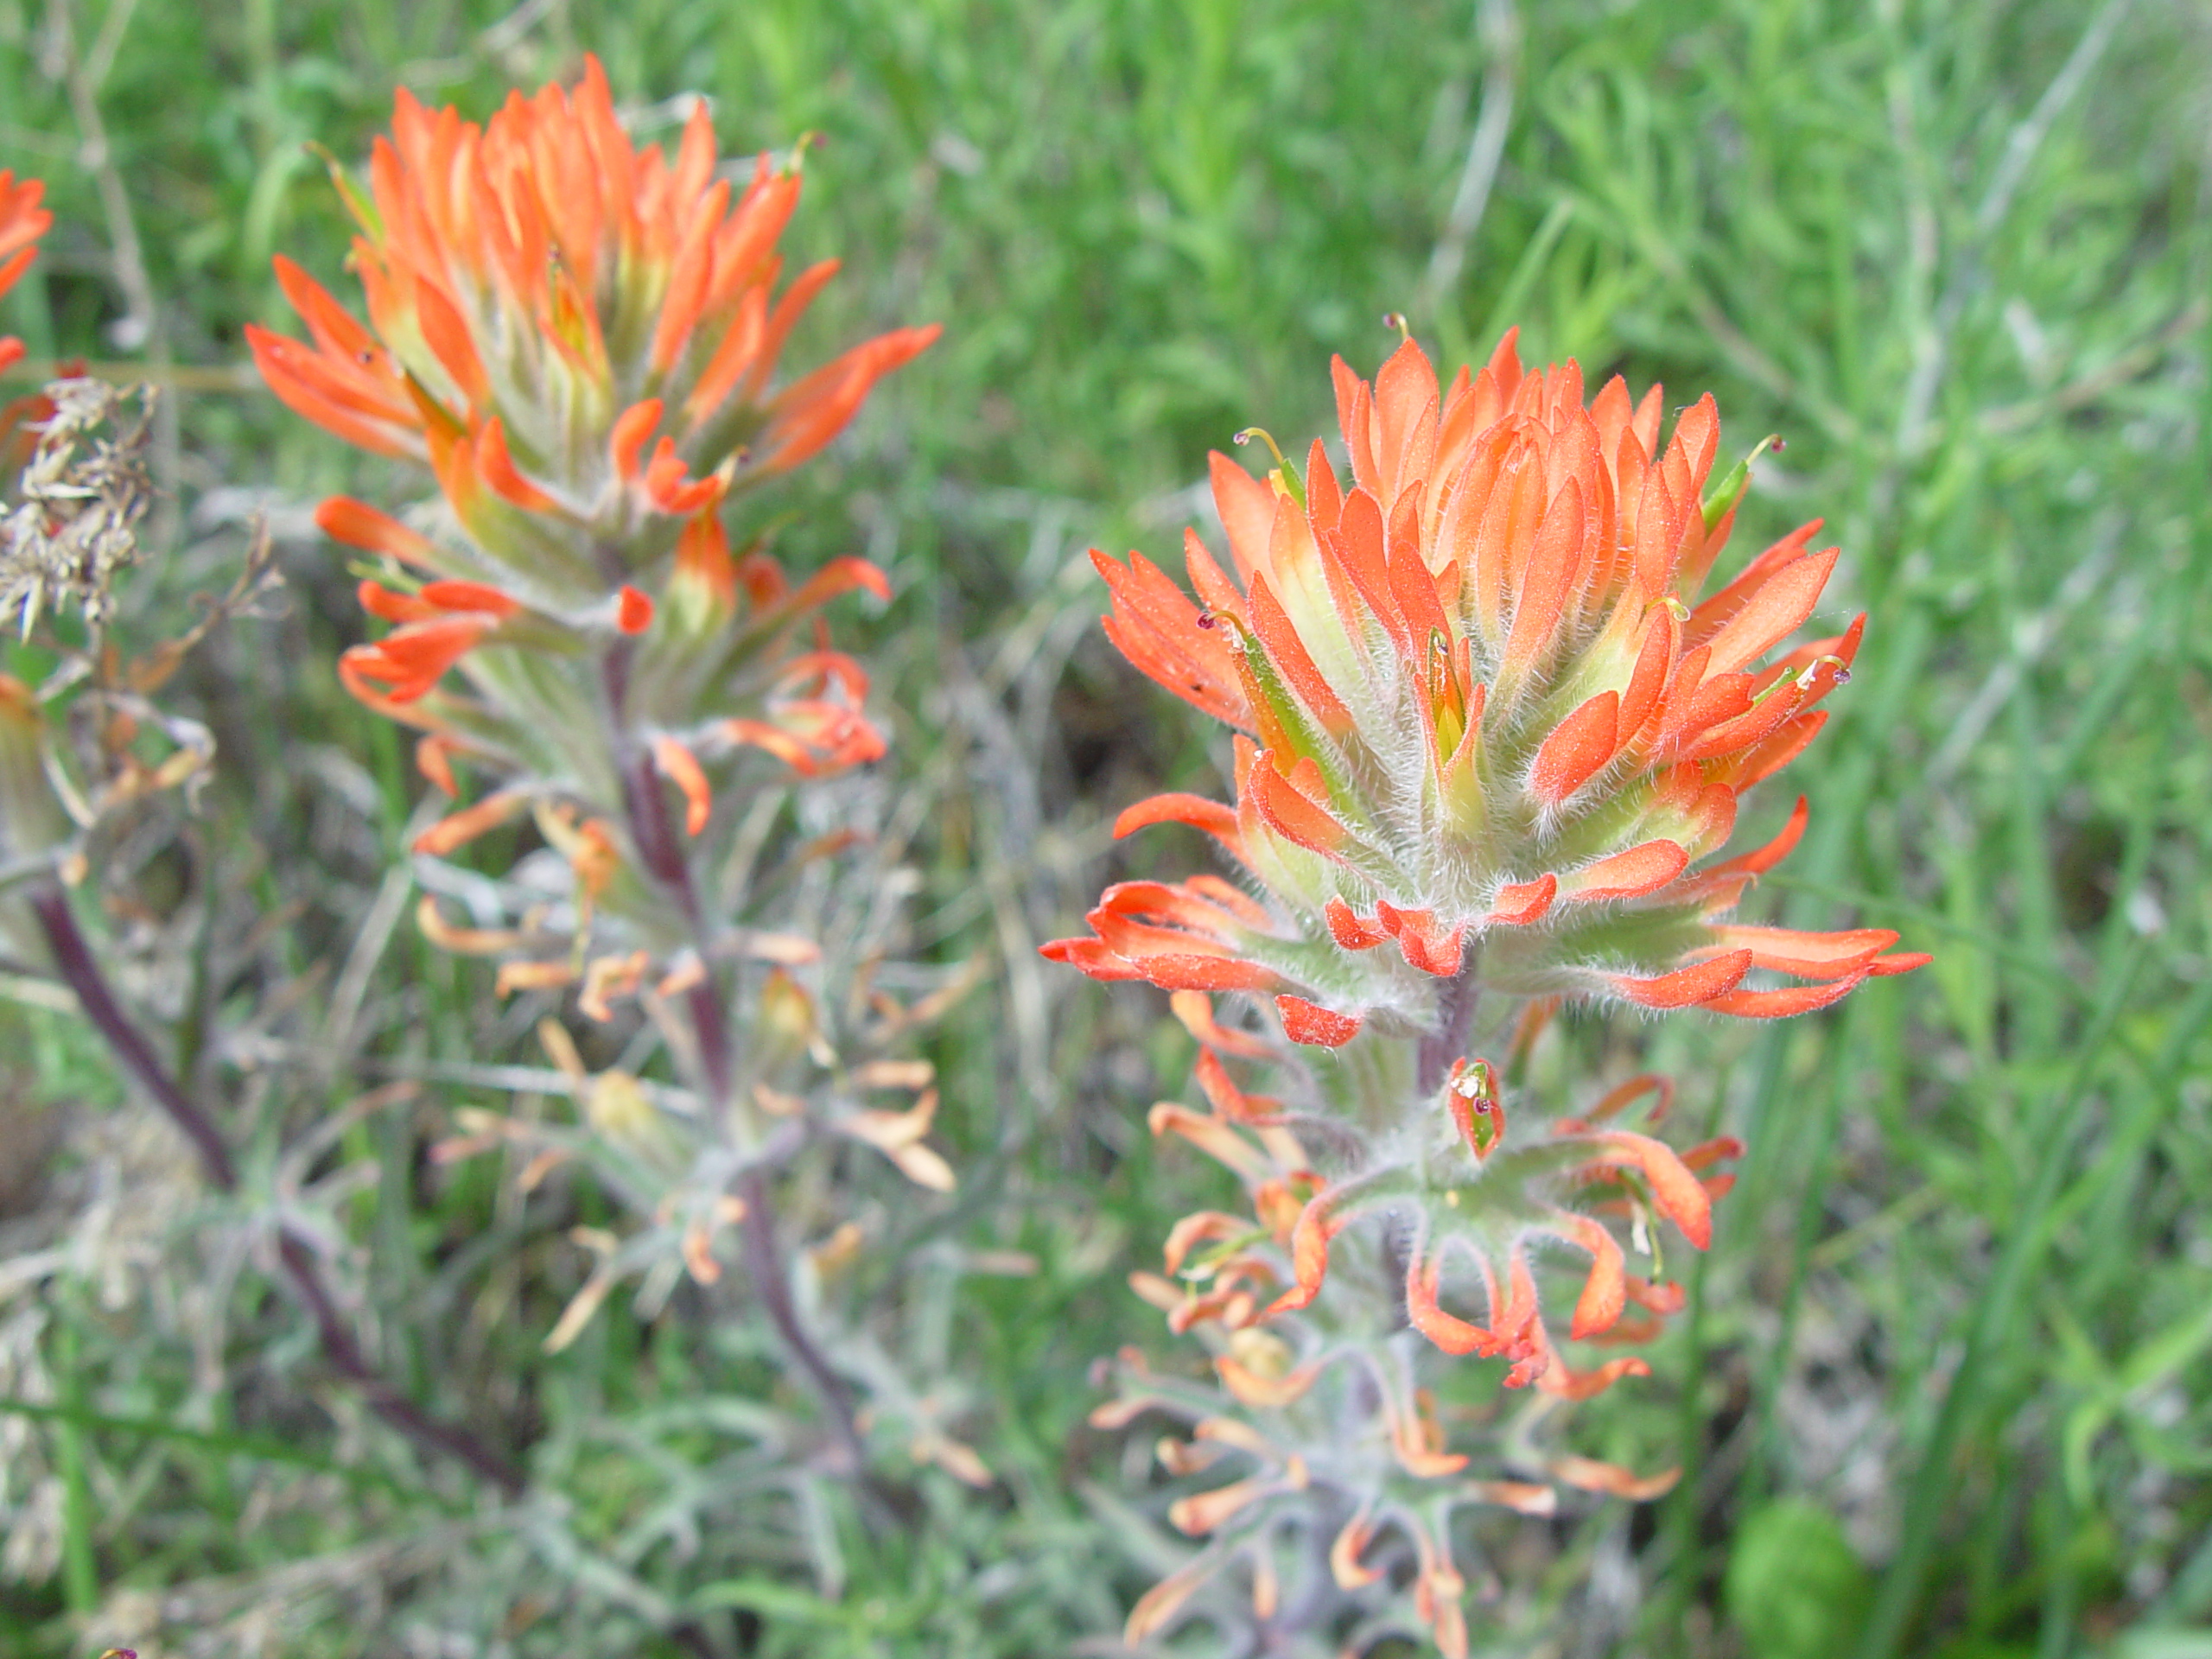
1484,699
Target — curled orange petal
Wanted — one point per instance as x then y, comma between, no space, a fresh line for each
681,767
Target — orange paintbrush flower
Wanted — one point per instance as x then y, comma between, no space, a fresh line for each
1485,702
578,336
1493,719
579,326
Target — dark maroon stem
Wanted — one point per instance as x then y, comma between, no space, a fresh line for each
80,971
346,1357
764,1265
1455,1020
652,826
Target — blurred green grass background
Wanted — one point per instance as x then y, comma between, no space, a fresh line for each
1948,1387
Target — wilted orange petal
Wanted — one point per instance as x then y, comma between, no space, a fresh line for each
460,828
1271,1394
1344,1555
681,767
1673,1188
1610,1479
1348,931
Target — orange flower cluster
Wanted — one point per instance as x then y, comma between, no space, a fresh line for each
579,337
1483,701
1439,1215
562,318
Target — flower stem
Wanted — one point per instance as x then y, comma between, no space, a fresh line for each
80,971
1455,1021
654,829
344,1353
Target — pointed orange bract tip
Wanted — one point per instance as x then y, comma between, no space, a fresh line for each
1577,750
434,760
1305,1022
496,467
633,611
1686,987
627,440
1216,819
814,410
1898,962
1788,1000
1524,904
1627,874
681,767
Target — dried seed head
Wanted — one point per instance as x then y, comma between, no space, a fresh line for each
71,525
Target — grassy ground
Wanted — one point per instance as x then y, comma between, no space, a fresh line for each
1948,1386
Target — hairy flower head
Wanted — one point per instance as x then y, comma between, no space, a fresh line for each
564,322
1486,695
579,337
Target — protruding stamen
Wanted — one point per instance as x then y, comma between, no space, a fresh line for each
794,159
1828,659
1397,320
1730,489
1284,474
